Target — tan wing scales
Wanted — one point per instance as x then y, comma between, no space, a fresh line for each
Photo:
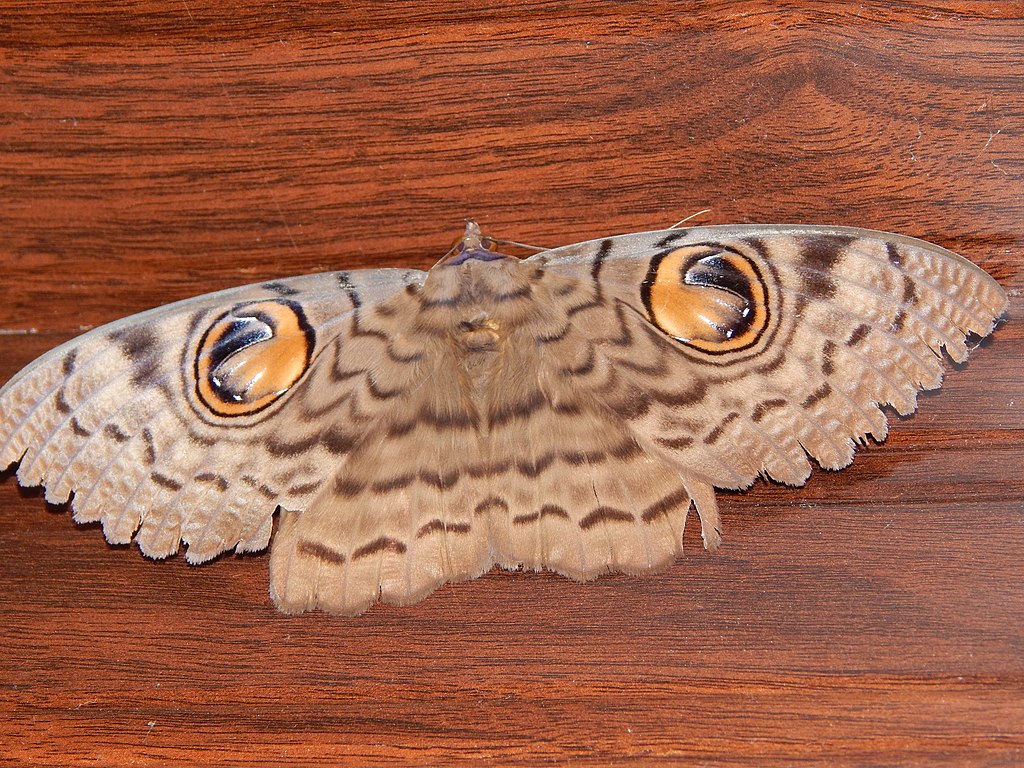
494,457
562,413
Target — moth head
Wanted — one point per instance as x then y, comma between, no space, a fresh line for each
473,245
708,296
252,355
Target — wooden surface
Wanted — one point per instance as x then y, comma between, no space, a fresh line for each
151,151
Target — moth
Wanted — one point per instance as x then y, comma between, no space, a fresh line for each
560,412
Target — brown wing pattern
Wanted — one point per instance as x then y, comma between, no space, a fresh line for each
490,453
856,319
114,417
562,412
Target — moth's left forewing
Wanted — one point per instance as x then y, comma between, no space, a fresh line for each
126,416
739,351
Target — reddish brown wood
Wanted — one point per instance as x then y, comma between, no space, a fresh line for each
151,151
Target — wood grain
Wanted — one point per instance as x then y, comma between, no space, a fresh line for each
151,151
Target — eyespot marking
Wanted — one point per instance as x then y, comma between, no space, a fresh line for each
707,296
251,355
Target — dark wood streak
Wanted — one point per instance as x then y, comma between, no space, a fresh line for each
606,515
382,544
665,505
219,481
320,552
817,395
715,434
164,481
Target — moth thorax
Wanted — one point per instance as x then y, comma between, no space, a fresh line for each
250,356
481,333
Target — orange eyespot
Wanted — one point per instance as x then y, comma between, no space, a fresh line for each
708,297
251,356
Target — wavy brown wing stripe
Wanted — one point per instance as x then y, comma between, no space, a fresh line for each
564,412
857,319
115,417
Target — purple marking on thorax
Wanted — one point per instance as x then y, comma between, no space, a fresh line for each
481,254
